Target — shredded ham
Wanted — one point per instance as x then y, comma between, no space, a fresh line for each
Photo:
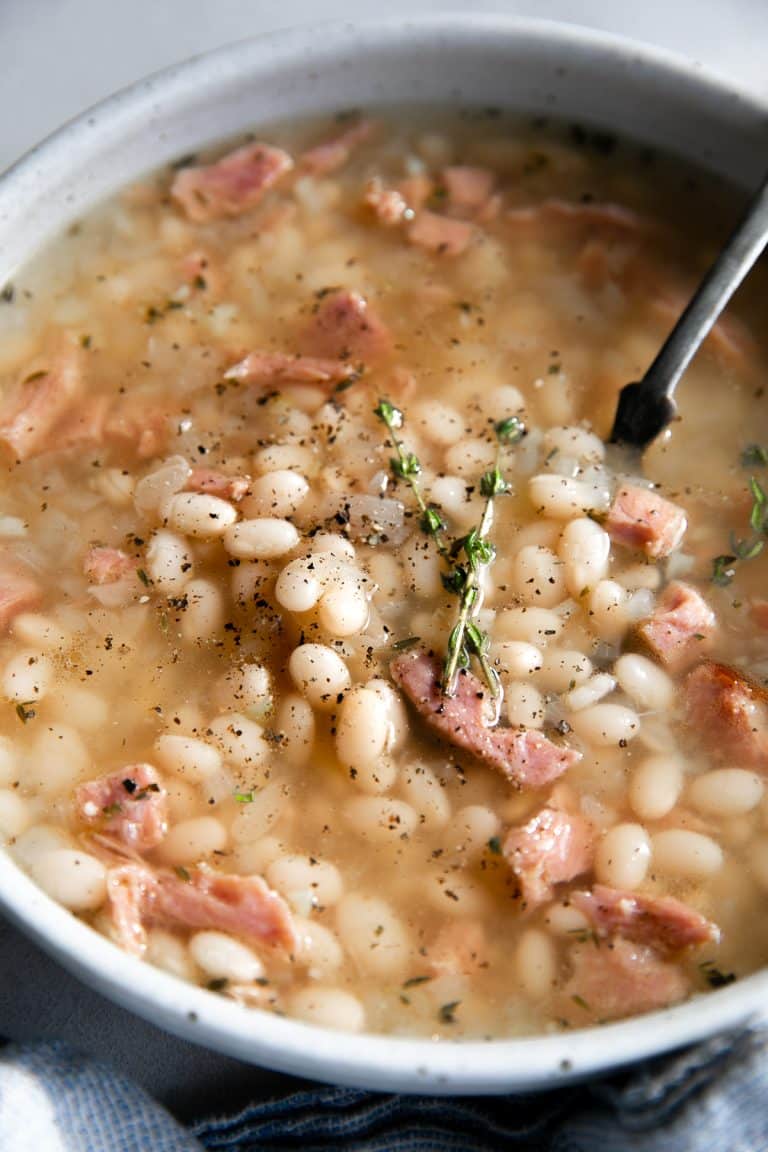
106,565
617,980
217,484
130,806
44,395
345,327
440,234
240,905
552,848
233,185
728,712
661,922
681,627
278,367
526,758
19,589
641,519
333,154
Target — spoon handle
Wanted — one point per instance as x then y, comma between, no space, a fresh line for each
737,257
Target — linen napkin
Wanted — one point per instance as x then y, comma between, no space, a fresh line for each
710,1098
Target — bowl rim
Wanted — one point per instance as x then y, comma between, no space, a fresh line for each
374,1061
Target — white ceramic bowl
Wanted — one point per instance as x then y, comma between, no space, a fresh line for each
532,67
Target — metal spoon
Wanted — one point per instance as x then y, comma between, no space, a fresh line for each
645,408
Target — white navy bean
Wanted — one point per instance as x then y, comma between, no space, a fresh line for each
223,958
199,514
320,674
623,856
726,792
261,539
681,852
655,786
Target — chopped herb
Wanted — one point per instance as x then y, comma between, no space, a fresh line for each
85,341
218,984
415,981
245,797
7,294
754,456
713,975
112,809
25,712
35,376
447,1013
143,577
404,645
581,1002
182,873
723,571
494,845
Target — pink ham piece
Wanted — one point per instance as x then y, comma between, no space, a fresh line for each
19,589
526,758
242,906
661,922
645,521
728,713
334,153
680,628
440,234
468,189
619,979
459,949
106,565
388,204
593,214
217,484
43,396
345,327
269,368
130,806
232,185
552,848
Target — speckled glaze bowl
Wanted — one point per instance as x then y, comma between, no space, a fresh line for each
531,67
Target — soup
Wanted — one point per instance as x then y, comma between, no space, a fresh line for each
347,671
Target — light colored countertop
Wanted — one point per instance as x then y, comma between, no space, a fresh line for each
57,57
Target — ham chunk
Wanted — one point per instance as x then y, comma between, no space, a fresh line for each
232,185
590,214
468,189
553,847
242,906
728,713
334,153
130,806
217,484
19,590
645,521
682,624
388,204
460,949
618,980
526,758
130,887
269,368
106,565
345,327
41,399
440,234
661,922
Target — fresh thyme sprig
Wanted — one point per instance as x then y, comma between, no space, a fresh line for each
466,557
723,570
466,637
406,466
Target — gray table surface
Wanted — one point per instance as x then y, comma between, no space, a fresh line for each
57,57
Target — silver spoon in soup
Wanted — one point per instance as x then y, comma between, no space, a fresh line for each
646,407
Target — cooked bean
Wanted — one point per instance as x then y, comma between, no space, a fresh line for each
306,882
72,878
328,1007
536,963
655,786
188,756
584,549
680,852
374,936
605,724
726,792
27,677
537,577
193,840
646,683
362,736
262,539
623,856
15,814
223,958
169,562
276,494
198,514
525,705
382,820
320,674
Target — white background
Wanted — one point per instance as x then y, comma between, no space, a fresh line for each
57,57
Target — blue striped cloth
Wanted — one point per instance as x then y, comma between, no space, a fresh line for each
708,1099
